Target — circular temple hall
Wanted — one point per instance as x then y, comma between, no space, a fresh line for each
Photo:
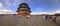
23,9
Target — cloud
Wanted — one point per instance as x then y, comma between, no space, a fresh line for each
6,1
38,13
57,11
38,9
17,1
55,1
5,11
1,5
49,13
9,4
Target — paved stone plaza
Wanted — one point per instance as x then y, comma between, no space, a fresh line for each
15,20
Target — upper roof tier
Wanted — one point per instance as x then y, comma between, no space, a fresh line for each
23,7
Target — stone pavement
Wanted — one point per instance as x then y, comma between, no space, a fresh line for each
15,20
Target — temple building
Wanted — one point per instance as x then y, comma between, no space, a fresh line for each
23,9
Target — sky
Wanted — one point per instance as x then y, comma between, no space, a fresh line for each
38,6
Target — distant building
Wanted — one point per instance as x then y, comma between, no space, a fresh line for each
57,14
57,18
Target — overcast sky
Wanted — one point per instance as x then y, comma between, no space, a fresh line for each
35,5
